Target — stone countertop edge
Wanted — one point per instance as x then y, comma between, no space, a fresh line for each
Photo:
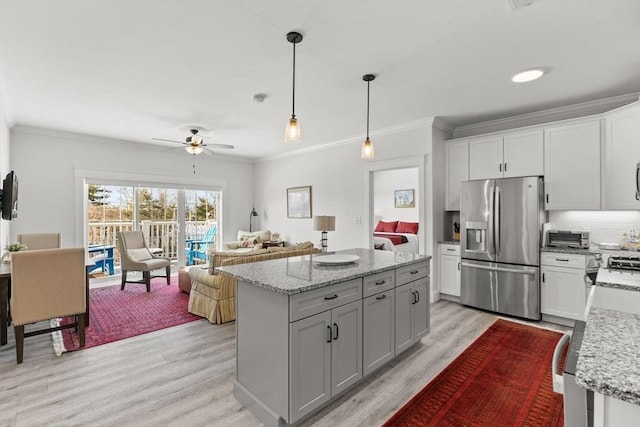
622,286
575,251
449,242
300,274
608,359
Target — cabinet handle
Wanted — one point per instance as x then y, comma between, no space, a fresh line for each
458,266
505,166
450,250
381,282
330,298
413,297
638,181
547,197
562,259
500,167
542,277
383,296
414,272
335,337
329,339
417,297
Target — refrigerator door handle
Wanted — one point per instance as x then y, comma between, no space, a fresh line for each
491,246
496,219
503,269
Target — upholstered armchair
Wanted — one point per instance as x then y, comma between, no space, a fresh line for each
47,284
35,241
136,256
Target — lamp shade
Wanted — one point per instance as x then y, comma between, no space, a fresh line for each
324,223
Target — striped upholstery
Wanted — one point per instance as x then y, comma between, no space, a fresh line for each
213,295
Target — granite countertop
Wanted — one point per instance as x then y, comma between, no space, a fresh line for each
617,285
609,360
576,251
300,274
449,242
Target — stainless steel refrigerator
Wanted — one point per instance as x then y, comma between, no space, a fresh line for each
501,226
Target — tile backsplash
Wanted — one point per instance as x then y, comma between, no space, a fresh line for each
603,226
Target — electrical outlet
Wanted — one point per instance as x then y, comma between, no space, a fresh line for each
358,220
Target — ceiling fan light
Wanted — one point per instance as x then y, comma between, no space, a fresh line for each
367,152
196,139
194,149
292,132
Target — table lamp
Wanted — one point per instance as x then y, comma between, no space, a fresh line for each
251,215
324,223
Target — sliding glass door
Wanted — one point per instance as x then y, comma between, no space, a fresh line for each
180,224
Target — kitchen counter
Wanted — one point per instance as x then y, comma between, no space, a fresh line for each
609,360
575,251
301,274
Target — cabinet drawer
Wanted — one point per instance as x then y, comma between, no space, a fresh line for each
380,282
307,304
411,272
563,260
446,249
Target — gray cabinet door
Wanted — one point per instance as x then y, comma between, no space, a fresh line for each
346,346
378,330
309,364
404,317
421,308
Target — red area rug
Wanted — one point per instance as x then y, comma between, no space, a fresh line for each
502,379
116,315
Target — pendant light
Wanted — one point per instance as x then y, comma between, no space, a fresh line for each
292,132
367,152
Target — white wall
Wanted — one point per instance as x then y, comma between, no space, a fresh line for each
385,183
339,183
5,226
49,162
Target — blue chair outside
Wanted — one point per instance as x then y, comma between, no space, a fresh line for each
197,249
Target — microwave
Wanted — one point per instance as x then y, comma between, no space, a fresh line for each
568,239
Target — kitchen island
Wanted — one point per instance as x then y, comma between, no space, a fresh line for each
609,359
307,331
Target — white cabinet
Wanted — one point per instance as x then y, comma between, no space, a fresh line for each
378,330
572,166
611,412
457,171
412,317
507,155
564,287
622,158
449,269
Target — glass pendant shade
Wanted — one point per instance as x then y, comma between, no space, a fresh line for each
292,132
194,149
367,152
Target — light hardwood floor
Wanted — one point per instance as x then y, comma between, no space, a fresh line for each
183,376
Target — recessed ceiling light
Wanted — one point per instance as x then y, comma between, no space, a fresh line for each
527,75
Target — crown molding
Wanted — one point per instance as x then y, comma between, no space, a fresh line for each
545,116
417,124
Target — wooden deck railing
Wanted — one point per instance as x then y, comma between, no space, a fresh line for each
158,234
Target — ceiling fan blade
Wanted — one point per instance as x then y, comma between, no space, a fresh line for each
223,146
170,140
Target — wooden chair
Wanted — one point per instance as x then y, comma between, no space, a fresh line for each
136,256
197,249
47,284
40,240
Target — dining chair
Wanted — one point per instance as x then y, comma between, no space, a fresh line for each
40,240
136,256
47,284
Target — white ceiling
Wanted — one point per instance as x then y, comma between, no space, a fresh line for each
139,69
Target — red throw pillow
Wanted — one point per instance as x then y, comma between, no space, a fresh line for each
386,227
407,227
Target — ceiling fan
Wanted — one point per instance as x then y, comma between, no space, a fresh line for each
194,144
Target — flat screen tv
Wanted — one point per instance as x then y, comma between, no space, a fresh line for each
9,196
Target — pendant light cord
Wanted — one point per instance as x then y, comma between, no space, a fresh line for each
368,83
293,102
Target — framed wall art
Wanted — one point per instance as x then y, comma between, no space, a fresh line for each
299,202
404,199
